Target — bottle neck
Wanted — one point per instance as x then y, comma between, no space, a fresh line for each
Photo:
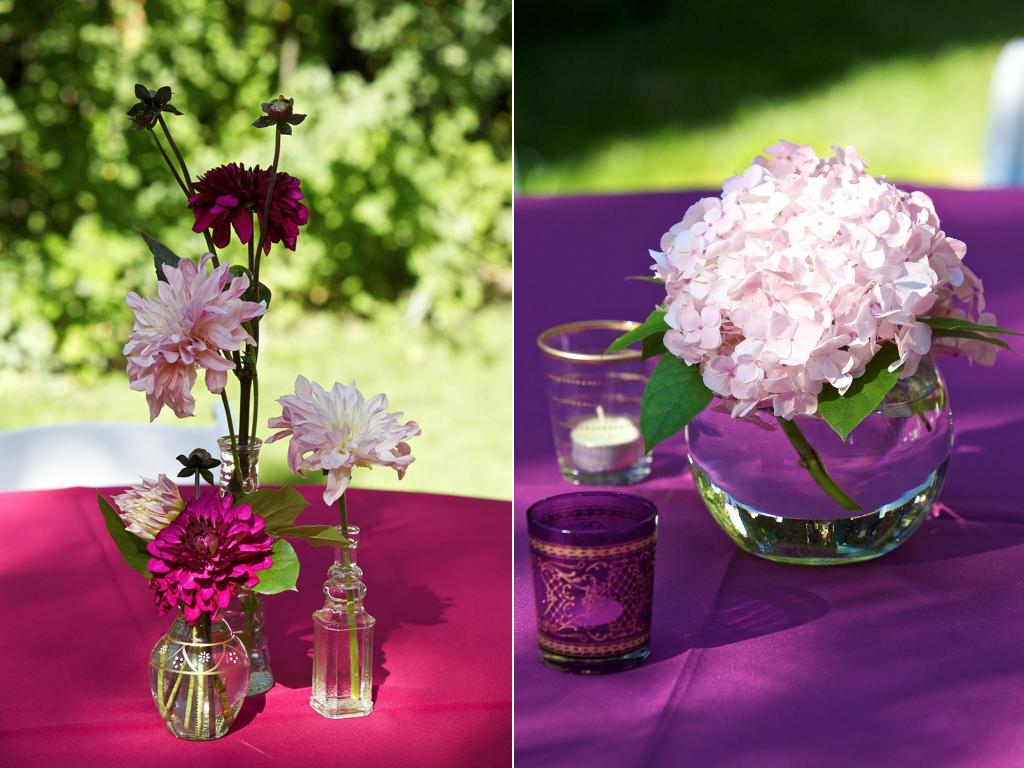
344,584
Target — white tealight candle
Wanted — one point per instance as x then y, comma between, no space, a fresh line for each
605,443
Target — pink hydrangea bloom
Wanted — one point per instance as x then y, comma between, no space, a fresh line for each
797,273
210,550
339,430
149,507
194,316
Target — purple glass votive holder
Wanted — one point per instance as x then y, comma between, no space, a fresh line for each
593,577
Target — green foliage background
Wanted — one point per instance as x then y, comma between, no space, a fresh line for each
405,158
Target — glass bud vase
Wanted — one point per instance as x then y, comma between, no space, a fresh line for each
893,464
244,615
343,640
198,676
247,457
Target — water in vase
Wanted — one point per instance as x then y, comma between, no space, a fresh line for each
892,464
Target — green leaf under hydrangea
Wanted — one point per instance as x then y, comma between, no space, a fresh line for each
956,324
652,346
131,547
654,324
844,412
283,574
959,333
674,394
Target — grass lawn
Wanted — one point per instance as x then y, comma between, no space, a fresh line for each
459,392
650,95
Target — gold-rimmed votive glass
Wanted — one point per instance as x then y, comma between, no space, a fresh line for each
594,402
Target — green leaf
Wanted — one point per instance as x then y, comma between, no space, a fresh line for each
277,507
653,346
251,294
844,412
955,324
264,295
162,255
962,334
655,323
283,574
674,394
131,547
644,278
317,535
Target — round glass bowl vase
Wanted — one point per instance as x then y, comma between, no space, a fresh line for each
199,675
893,464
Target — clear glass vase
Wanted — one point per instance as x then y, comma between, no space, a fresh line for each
198,676
343,640
247,457
893,464
244,615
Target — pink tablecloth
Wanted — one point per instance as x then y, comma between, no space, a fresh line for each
911,660
77,627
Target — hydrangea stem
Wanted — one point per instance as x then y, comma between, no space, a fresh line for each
350,609
811,461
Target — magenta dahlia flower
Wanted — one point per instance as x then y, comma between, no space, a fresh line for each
228,195
207,553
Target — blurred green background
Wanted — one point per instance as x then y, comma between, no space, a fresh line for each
647,94
401,280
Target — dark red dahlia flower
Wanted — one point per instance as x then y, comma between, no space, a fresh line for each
208,552
228,195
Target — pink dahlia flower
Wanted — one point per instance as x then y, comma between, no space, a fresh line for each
210,550
339,430
798,272
149,507
227,196
193,318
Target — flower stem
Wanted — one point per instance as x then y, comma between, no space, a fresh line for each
255,402
186,187
265,221
177,154
811,461
174,171
254,259
350,609
231,434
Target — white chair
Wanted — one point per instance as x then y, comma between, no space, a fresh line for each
1004,156
97,454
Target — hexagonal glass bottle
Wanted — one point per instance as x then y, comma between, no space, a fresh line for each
343,639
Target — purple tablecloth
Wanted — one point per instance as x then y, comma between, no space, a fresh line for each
913,659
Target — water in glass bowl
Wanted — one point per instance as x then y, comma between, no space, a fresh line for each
892,464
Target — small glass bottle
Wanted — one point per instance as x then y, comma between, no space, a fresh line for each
248,457
244,613
343,640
